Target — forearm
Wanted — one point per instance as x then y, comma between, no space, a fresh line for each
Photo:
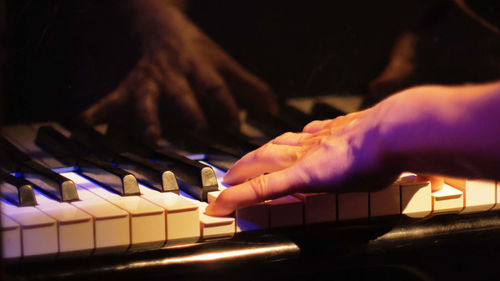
443,130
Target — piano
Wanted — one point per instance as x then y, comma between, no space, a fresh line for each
96,203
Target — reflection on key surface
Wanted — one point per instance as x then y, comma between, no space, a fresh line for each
147,220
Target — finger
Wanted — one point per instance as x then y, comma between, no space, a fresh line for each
248,89
261,188
290,138
181,102
147,96
106,107
316,126
437,182
266,159
216,100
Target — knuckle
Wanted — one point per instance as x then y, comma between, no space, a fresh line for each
215,86
260,187
312,125
264,151
282,138
177,87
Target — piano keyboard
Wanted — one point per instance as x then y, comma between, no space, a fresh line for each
88,211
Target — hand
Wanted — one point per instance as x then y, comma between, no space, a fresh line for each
421,129
340,154
182,75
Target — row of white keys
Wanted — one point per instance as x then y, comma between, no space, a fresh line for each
408,196
182,219
39,231
75,228
147,220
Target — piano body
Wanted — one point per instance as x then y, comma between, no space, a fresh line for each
80,204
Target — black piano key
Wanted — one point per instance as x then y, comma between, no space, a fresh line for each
149,173
197,142
102,172
16,190
270,125
159,177
44,179
193,177
107,175
289,119
295,117
232,143
196,183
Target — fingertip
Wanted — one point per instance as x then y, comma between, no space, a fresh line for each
210,209
219,207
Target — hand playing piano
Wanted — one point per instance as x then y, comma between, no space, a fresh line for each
339,154
421,129
182,75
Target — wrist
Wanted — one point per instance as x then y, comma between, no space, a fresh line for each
405,121
439,129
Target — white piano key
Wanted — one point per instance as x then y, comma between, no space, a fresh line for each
319,207
497,197
352,205
212,195
447,200
11,238
385,202
39,231
111,224
255,217
75,227
285,211
147,220
416,196
212,227
215,227
479,195
181,215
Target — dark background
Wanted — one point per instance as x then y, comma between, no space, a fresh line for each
63,55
